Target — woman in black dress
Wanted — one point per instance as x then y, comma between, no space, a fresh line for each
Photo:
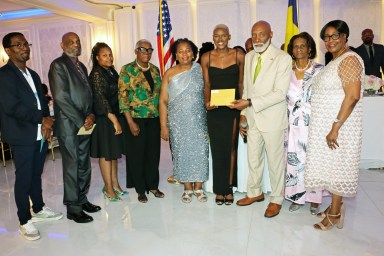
106,141
223,68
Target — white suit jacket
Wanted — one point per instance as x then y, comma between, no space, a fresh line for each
269,110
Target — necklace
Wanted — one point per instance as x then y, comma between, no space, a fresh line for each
338,55
142,68
302,69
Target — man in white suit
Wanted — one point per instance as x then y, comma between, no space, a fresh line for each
267,74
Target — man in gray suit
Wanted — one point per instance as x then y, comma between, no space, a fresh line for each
372,54
267,73
73,109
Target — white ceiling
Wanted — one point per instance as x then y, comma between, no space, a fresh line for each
89,10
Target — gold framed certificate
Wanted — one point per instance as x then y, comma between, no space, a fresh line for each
222,97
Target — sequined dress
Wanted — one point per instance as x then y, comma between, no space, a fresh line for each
334,170
188,126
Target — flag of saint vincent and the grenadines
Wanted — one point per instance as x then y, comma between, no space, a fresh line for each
292,22
164,38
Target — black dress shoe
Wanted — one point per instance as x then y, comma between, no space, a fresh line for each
88,207
79,217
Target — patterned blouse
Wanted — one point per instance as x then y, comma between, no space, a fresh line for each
135,94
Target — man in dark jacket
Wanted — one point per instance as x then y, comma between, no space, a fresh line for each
26,126
72,96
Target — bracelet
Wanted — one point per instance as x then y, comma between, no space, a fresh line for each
249,102
338,121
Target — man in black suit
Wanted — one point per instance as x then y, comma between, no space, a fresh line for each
26,126
372,54
72,96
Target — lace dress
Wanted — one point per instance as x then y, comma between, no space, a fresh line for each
104,142
334,170
188,126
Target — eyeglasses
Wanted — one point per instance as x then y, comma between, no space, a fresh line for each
334,37
145,50
21,45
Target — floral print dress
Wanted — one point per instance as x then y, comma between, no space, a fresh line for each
299,113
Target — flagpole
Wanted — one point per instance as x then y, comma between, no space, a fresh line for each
161,37
298,14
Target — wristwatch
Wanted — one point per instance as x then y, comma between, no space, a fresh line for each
249,102
338,121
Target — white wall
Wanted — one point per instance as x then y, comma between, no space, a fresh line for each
194,19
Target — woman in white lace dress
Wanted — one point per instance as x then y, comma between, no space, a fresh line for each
335,131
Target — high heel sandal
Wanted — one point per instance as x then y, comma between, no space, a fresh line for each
339,222
157,193
228,201
201,197
219,201
120,192
324,213
186,197
110,198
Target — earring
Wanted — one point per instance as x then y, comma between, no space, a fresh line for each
309,55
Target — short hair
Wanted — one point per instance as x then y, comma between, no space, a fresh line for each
8,37
95,51
340,25
222,26
184,40
310,43
142,41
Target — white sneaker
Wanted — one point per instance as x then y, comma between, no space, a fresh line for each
29,231
46,214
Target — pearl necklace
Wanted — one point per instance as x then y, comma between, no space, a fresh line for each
338,55
142,68
302,69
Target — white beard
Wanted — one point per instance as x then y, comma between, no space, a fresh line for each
263,47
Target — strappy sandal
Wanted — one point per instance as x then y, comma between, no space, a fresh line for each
186,197
201,197
339,222
324,213
228,201
219,201
157,193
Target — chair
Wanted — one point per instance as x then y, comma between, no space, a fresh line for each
3,149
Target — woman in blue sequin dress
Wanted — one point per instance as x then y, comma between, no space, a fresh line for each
183,120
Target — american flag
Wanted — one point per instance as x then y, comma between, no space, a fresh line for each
164,38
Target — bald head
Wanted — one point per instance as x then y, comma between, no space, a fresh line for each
367,36
262,25
70,43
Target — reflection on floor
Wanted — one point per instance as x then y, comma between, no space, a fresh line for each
169,227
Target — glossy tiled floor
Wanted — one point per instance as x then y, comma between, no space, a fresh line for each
169,227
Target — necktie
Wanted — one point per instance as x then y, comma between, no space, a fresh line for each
257,69
371,53
81,71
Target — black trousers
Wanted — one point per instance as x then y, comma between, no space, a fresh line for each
143,155
29,162
76,170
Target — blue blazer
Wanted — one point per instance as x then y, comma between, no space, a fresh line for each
19,110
